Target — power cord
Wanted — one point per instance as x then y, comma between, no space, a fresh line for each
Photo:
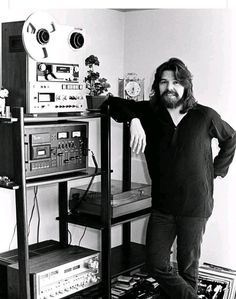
74,207
38,213
35,204
93,176
13,234
32,213
70,237
83,234
87,190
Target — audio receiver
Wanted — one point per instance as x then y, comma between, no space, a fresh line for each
57,273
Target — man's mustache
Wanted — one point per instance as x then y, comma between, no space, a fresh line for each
168,92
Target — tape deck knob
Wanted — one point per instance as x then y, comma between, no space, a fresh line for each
49,77
76,69
42,67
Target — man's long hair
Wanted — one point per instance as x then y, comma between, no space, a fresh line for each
183,75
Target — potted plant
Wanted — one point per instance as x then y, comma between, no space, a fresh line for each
96,85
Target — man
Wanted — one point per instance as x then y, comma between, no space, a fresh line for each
175,132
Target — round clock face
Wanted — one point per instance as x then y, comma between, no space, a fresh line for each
133,89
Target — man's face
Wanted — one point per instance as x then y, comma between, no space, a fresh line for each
171,91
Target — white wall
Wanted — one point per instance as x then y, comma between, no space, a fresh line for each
206,41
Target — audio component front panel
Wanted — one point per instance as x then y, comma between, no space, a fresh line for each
59,273
56,148
57,88
67,279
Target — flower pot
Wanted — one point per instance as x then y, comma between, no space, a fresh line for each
95,102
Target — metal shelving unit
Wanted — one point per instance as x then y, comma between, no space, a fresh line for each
114,261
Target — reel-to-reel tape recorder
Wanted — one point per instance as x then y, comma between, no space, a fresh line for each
43,65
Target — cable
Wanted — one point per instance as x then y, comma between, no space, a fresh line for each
38,212
14,231
88,187
70,236
82,235
94,160
92,178
31,215
35,203
74,210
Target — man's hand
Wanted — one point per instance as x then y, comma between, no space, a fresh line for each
137,136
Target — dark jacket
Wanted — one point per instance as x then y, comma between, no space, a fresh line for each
179,158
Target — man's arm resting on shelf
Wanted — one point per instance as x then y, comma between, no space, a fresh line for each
122,110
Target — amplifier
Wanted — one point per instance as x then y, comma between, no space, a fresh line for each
52,148
57,274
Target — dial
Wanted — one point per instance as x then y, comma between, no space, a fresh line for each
76,69
42,67
133,89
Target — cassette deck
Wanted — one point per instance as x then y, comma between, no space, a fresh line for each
50,148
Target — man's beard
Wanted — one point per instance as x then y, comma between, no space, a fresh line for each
170,99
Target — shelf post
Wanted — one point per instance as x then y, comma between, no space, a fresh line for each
63,211
106,205
21,203
126,180
126,171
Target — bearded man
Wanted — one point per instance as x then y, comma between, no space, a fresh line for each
175,134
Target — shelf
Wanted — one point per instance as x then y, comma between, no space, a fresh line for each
10,185
125,258
94,221
83,220
8,120
130,216
60,117
50,179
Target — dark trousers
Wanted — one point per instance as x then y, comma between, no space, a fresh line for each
161,232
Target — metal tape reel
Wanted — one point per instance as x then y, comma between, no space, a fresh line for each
38,35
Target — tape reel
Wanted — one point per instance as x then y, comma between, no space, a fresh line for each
38,35
45,40
76,39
